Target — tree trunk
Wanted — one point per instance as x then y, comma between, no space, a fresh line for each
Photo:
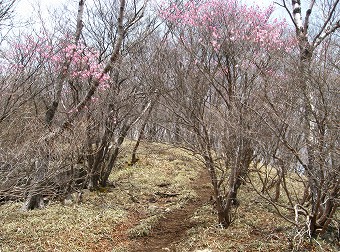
141,135
33,201
34,198
223,209
50,113
134,158
104,176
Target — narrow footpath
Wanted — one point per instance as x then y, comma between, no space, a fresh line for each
172,228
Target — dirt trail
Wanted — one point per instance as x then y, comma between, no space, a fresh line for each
172,228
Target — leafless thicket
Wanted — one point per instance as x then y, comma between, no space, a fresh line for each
301,111
267,117
71,130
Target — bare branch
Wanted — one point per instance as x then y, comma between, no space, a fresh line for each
308,13
6,9
274,204
327,29
330,29
79,21
284,5
121,33
113,59
138,15
53,108
296,4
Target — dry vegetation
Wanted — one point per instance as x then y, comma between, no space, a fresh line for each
117,218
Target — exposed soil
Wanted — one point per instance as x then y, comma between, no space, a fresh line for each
172,228
142,214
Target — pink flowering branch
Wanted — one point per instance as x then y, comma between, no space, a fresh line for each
71,63
223,20
66,66
223,24
97,81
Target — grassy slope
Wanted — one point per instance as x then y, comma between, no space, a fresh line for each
111,220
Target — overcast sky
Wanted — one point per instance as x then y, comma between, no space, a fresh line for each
28,8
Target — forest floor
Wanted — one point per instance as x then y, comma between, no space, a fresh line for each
173,226
162,203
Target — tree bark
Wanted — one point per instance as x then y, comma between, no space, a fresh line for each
314,169
134,158
50,113
34,198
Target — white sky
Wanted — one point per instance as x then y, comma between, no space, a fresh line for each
26,8
279,12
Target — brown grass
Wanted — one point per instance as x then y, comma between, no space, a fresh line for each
114,219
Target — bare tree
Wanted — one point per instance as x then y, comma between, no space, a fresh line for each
6,10
215,73
52,108
127,98
315,154
82,95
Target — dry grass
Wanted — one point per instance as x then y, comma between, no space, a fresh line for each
256,228
144,227
99,222
58,227
111,220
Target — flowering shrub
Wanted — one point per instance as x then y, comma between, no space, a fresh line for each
227,20
66,60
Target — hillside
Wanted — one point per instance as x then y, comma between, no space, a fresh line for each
162,203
